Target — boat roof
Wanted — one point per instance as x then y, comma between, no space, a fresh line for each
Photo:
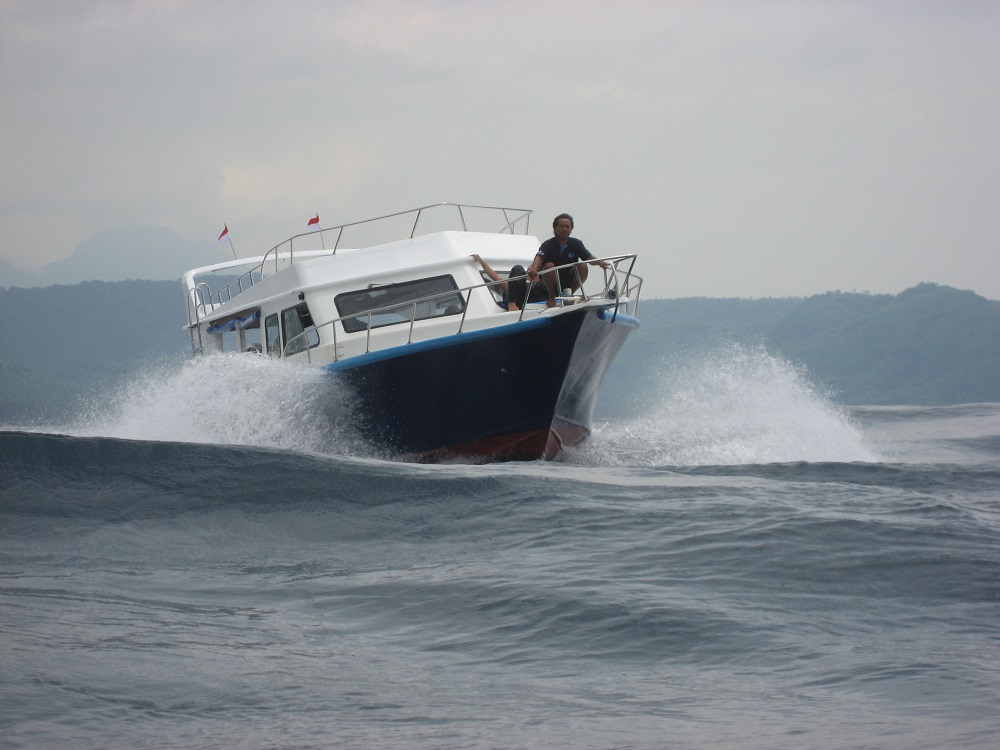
430,220
404,260
392,258
287,268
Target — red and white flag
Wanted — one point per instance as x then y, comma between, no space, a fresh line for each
225,233
313,222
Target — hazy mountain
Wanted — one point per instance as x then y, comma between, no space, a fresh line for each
930,344
11,275
122,253
95,331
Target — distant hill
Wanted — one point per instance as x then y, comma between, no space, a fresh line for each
71,339
11,275
928,345
119,254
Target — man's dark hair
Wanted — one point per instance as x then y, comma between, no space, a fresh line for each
563,216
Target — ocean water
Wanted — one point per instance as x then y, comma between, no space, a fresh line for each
745,565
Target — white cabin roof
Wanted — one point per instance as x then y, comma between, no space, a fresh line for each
412,258
393,262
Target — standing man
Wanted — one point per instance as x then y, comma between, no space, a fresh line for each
562,250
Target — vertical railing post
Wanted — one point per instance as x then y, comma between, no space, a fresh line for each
468,299
413,319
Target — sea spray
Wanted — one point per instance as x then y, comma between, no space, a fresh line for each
732,405
234,399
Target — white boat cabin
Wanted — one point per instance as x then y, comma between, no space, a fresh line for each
323,306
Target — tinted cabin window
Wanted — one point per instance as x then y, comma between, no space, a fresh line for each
394,303
294,321
495,289
273,337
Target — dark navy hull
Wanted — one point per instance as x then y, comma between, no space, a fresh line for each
517,392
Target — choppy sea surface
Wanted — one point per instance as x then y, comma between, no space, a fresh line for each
198,562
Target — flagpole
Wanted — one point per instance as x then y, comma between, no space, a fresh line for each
319,228
229,239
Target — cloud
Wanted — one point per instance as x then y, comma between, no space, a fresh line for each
745,149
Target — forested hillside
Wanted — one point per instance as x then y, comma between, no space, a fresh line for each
928,345
59,342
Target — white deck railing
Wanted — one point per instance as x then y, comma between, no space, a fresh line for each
620,284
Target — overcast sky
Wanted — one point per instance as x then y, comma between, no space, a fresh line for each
743,148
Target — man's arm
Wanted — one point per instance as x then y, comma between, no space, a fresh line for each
489,271
586,255
536,264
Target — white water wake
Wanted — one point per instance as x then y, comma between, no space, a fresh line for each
230,399
735,405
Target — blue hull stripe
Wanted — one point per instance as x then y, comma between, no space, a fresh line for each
622,318
456,339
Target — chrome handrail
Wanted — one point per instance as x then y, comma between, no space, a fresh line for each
630,283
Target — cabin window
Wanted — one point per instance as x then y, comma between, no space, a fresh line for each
495,289
399,303
272,335
294,322
251,340
237,332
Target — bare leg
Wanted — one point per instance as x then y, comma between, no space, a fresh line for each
517,289
551,280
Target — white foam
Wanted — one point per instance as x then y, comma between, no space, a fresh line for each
735,405
236,399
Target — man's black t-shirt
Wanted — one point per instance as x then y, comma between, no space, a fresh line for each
573,252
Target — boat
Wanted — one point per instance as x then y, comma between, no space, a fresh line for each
405,319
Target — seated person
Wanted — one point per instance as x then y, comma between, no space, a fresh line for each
515,290
567,255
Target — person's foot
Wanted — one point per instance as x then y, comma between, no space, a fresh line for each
550,302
